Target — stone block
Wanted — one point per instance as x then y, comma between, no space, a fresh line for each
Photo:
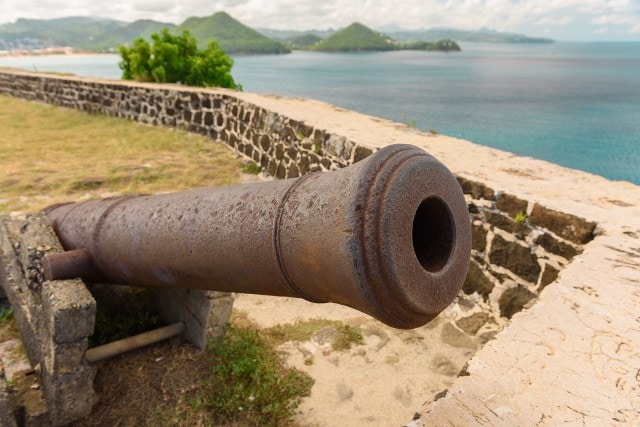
477,281
70,309
72,393
507,224
555,246
475,189
570,227
515,257
478,237
204,313
514,300
549,275
336,145
361,153
511,205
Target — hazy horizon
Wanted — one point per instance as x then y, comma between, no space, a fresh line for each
567,20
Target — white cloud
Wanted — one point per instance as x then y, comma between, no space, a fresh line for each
635,29
601,30
613,20
550,20
505,15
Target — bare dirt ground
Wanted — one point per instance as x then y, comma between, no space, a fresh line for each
380,383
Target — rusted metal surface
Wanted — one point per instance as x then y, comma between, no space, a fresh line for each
111,349
68,265
389,236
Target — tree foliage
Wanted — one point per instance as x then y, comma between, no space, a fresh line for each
176,59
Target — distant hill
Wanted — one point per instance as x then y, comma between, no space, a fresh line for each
127,33
79,32
358,38
231,35
98,34
303,41
355,38
479,36
287,35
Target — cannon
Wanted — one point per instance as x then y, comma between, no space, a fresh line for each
388,236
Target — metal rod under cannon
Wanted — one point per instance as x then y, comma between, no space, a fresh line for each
389,236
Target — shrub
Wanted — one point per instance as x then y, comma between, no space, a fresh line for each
176,59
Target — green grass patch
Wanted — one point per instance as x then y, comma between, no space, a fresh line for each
51,154
252,168
303,330
6,315
250,382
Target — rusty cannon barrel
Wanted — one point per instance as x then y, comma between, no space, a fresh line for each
389,236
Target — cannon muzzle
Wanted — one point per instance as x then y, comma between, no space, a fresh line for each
389,236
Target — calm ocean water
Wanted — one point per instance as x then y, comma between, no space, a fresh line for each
574,104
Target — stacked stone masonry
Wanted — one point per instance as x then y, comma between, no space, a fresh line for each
512,261
55,318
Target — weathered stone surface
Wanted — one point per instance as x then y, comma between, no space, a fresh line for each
72,310
513,300
511,205
567,226
361,153
477,190
455,337
507,224
335,145
549,276
54,319
515,257
204,313
478,237
555,246
476,281
473,323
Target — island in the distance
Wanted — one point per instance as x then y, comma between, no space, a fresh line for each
359,38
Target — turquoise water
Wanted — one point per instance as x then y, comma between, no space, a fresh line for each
574,104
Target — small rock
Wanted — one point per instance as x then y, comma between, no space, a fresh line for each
344,392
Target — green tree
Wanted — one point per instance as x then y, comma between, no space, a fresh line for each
176,59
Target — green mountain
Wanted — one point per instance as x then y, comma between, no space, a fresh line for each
231,35
358,38
127,33
355,38
79,32
106,34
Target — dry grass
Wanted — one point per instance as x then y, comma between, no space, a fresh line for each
50,154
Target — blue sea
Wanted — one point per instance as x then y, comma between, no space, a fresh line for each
574,104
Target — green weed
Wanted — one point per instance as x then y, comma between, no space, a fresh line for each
520,218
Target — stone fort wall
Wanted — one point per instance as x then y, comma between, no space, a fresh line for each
512,260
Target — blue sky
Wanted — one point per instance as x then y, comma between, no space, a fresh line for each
558,19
